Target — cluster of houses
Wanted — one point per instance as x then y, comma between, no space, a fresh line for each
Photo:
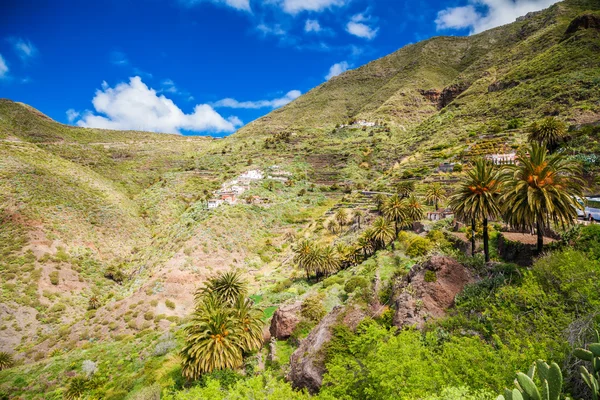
361,123
231,192
502,159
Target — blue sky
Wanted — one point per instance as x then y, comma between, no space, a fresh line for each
207,66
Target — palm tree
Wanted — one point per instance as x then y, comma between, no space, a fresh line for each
477,197
214,342
380,199
395,209
551,131
435,194
414,210
540,189
358,215
330,261
382,232
341,217
405,188
309,257
77,388
6,360
227,286
251,324
365,242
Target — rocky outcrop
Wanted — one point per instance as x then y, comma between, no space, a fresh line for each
429,290
285,320
307,363
432,95
446,96
586,21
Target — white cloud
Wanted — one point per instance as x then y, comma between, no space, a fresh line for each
24,48
3,68
242,5
275,30
312,25
480,15
275,103
134,106
337,69
357,26
72,115
297,6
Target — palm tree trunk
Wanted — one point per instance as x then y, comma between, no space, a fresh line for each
473,237
486,240
540,237
436,204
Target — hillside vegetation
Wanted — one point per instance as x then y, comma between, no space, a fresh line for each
105,236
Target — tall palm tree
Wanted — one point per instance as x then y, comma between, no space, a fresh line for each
435,194
330,261
551,131
213,342
303,252
382,232
228,286
414,210
251,324
341,216
395,209
380,199
541,189
365,242
477,197
405,188
358,215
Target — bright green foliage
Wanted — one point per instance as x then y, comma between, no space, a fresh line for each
592,355
589,241
418,246
312,307
551,383
356,282
540,189
477,197
461,393
550,131
261,387
6,360
381,233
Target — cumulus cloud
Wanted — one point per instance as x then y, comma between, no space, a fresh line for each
3,68
242,5
312,25
337,69
134,106
358,26
275,103
72,115
480,15
24,48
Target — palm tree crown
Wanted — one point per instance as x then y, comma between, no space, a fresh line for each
551,131
227,286
541,189
435,194
382,232
395,209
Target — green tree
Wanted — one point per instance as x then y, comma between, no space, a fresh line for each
477,197
250,320
341,217
382,233
435,194
358,216
396,209
6,360
330,261
309,257
551,131
380,199
541,189
414,210
405,189
365,243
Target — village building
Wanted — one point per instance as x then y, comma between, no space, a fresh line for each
252,175
439,215
214,203
502,159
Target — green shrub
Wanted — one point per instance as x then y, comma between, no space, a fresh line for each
589,240
418,246
282,285
170,304
312,307
54,277
430,276
149,315
333,280
356,282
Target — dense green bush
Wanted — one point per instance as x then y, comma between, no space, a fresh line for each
356,282
418,246
312,307
589,240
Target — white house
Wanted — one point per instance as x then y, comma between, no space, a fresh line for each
253,175
502,159
214,203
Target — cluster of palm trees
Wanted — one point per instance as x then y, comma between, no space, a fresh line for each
396,212
225,325
540,189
